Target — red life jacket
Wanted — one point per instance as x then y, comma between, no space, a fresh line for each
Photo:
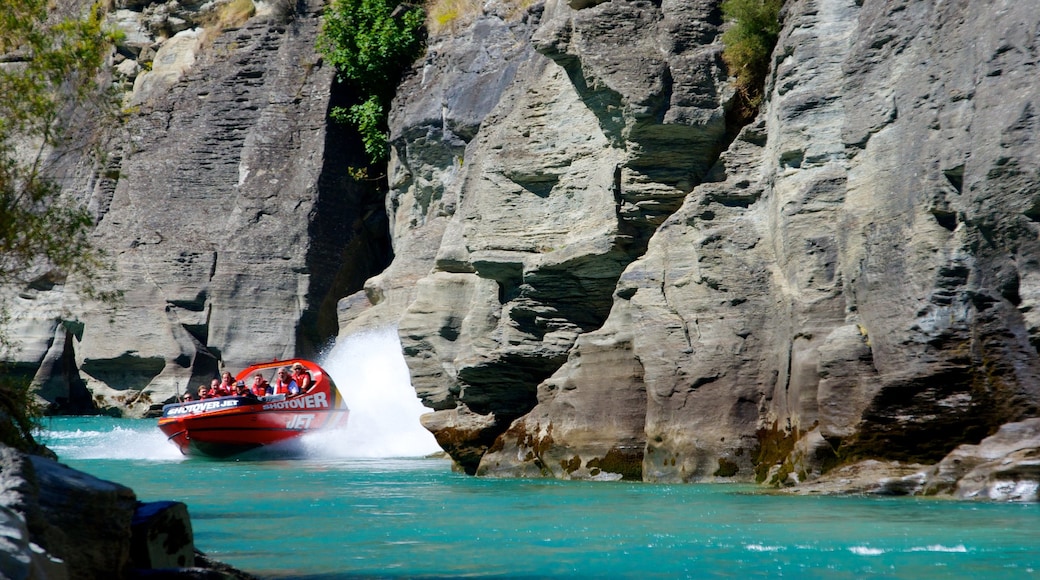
303,380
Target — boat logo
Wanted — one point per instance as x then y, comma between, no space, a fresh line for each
316,401
299,422
201,407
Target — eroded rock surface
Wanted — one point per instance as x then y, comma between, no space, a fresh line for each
1004,466
225,208
616,278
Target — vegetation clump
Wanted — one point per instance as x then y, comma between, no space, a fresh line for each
371,43
231,14
445,14
749,42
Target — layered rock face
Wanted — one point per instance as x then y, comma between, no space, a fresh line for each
598,277
224,205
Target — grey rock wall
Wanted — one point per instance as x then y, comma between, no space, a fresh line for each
530,208
600,278
225,208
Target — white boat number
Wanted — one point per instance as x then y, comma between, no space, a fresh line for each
299,422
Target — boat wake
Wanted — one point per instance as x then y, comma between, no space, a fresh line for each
135,440
371,374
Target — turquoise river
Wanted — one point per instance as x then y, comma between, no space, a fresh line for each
366,504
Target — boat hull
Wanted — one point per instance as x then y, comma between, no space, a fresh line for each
227,426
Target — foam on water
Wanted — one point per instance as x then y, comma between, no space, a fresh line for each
116,442
958,549
370,372
866,551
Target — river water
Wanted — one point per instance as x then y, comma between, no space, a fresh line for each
366,503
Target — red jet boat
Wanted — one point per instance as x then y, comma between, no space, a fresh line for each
226,426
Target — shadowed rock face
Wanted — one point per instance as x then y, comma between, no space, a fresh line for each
228,214
598,278
530,207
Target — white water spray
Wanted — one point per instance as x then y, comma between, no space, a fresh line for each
370,372
136,441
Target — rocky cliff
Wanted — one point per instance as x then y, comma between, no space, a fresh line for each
599,272
599,275
223,203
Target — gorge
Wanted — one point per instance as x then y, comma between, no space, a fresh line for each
594,270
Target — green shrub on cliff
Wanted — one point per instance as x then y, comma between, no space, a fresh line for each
371,43
48,76
749,43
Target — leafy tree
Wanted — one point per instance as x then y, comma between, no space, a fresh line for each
371,43
48,69
749,44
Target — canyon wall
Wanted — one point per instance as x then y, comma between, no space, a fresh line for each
599,275
222,201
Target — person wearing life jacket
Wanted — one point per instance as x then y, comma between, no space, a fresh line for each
261,387
243,391
302,378
284,383
203,392
216,390
227,383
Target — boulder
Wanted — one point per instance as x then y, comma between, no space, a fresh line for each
1004,466
79,524
175,57
20,557
162,536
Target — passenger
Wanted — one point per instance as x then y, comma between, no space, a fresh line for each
187,396
216,389
243,391
261,387
203,392
227,382
302,377
285,385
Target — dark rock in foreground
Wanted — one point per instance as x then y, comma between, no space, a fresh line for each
57,523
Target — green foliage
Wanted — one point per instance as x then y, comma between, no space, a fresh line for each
371,42
18,416
53,70
749,43
49,75
370,118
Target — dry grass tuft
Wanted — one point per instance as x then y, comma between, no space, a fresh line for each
234,14
229,14
449,15
446,15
